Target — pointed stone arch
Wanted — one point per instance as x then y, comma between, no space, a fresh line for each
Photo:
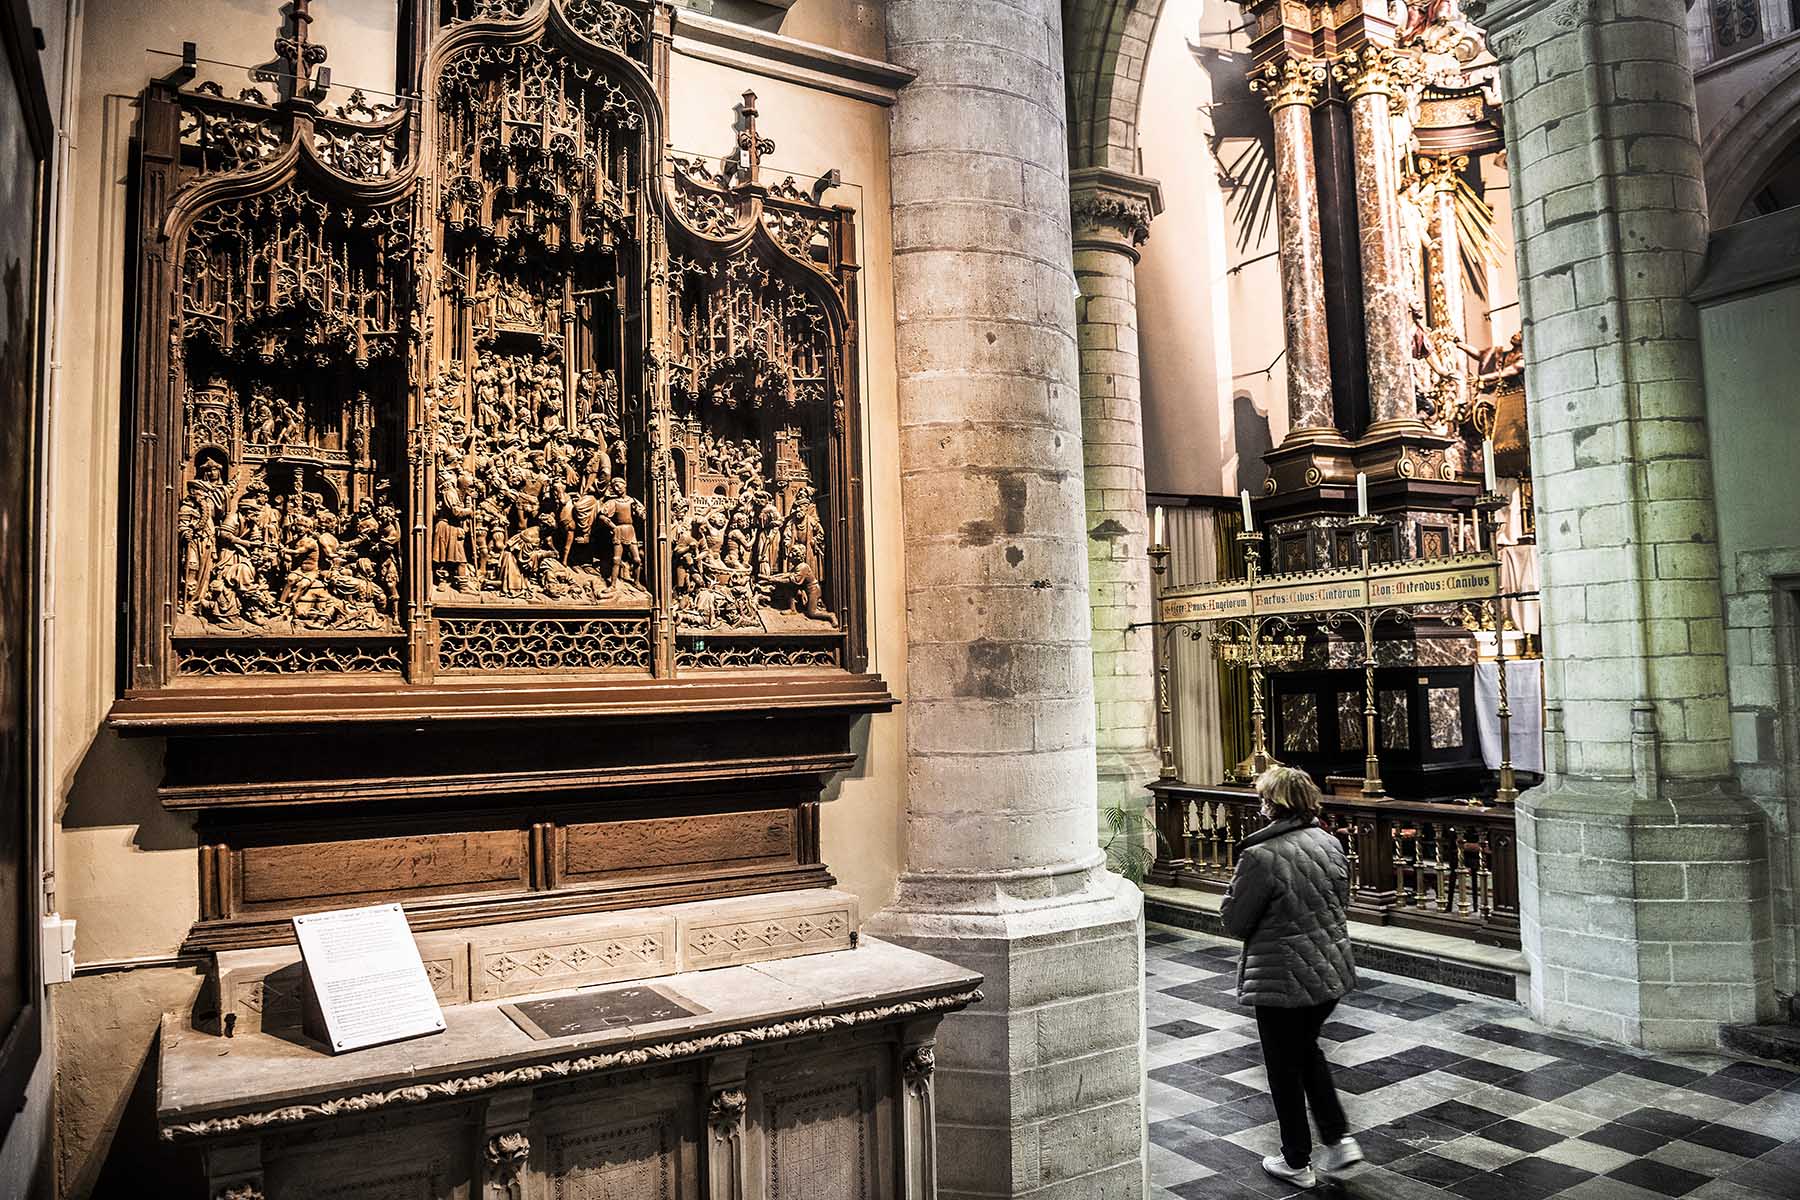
1105,46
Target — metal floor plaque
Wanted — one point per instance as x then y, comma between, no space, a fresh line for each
598,1010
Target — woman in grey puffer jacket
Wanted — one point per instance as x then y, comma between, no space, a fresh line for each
1287,902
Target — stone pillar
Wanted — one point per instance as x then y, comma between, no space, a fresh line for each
1111,213
1291,86
1039,1087
1643,872
1372,84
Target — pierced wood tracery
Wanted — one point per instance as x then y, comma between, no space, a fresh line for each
484,380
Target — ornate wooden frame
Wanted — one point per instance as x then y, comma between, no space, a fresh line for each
495,478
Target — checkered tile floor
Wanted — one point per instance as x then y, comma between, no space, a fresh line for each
1454,1095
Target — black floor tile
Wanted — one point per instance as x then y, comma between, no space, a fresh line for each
1770,1077
1458,1115
1199,991
1338,1031
1728,1088
1767,1176
1218,1187
1731,1140
1416,1132
1661,1120
1628,1138
1222,1120
1430,1168
1203,1085
1553,1177
1228,1062
1659,1177
1661,1072
1483,1070
1555,1081
1355,1081
1521,1136
1183,1028
1392,1070
1381,1150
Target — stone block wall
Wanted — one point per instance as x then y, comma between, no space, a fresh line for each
1644,872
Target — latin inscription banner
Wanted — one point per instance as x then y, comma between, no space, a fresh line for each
1431,581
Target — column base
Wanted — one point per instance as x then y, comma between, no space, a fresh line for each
1040,1086
1645,920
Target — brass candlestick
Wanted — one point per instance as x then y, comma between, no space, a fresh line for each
1490,504
1165,713
1364,531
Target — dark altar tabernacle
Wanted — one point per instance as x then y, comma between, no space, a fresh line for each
496,549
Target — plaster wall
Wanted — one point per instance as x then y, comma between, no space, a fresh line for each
1751,360
1184,320
127,870
1209,310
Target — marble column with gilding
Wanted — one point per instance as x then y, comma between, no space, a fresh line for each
1111,214
1372,79
1291,87
1039,1085
1443,267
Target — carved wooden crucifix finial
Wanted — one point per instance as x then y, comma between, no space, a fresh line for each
301,54
751,144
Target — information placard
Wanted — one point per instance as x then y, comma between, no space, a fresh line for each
365,982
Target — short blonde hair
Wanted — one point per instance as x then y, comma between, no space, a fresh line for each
1288,791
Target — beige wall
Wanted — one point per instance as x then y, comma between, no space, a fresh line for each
126,870
1199,324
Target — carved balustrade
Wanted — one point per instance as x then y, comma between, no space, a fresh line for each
1449,868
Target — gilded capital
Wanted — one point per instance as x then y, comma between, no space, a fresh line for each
1289,81
1375,70
1439,172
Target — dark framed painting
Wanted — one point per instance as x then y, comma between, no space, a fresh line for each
25,144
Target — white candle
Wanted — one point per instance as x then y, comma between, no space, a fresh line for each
1487,465
1156,537
1362,494
1249,524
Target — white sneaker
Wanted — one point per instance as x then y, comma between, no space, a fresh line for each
1340,1154
1298,1176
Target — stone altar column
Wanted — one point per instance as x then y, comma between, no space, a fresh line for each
1371,83
1291,86
1643,873
1039,1087
1111,212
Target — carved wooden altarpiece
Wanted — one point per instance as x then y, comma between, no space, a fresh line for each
495,514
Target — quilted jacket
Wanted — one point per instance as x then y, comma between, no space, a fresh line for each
1287,903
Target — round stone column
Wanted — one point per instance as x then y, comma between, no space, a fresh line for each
1040,1084
1111,212
1643,871
1369,77
1291,86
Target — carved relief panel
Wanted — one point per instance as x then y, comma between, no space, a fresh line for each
484,380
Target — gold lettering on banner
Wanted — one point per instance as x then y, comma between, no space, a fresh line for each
1428,581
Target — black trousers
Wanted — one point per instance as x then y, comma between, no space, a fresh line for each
1299,1076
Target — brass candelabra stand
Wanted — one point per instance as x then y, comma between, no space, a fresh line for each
1490,505
1165,714
1363,529
1249,643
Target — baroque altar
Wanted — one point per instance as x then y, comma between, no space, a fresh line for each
496,549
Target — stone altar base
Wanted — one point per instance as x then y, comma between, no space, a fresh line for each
805,1077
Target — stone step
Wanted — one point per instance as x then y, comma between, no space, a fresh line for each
1778,1042
1412,954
